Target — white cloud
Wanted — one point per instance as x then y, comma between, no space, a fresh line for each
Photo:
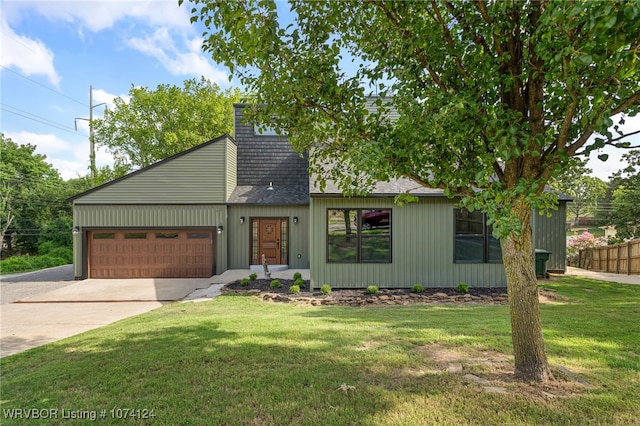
71,159
104,157
604,169
98,15
102,96
47,144
30,56
173,44
161,45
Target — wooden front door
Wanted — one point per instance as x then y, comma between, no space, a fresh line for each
269,238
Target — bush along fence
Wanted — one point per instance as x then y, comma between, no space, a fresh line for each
621,258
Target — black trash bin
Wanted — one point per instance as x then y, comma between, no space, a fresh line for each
541,262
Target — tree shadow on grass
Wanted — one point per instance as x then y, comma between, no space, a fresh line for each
231,362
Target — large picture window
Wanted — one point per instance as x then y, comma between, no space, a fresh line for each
358,235
473,240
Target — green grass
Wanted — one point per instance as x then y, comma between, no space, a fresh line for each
595,231
237,360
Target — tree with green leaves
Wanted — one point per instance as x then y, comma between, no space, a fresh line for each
496,96
29,195
155,124
586,191
625,205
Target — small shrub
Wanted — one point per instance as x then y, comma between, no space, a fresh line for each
296,276
253,277
325,289
63,253
299,282
244,282
46,247
372,289
463,288
294,289
275,284
417,288
43,262
16,264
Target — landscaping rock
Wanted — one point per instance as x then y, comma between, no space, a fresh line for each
359,297
476,379
573,376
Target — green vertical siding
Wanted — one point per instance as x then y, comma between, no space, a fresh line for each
231,174
549,234
422,249
148,216
197,176
239,233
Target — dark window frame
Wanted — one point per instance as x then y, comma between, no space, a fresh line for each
487,239
359,236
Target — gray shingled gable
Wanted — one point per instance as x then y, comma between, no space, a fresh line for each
267,159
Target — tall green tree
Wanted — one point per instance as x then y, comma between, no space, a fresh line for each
155,124
491,95
29,195
586,191
625,205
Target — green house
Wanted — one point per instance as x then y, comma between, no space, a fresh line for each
228,202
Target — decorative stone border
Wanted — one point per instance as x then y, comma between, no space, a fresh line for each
385,297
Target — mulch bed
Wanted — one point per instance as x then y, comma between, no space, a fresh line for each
360,297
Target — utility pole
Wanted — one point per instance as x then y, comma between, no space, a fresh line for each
92,149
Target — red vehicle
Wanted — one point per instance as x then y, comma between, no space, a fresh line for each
375,219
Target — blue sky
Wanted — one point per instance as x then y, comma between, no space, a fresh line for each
52,51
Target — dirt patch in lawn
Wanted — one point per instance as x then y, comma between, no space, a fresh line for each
493,372
360,297
550,297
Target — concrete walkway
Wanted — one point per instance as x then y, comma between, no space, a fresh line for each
604,276
218,281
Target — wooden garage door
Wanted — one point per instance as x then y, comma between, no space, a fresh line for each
150,253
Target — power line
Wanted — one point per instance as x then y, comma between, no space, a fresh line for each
40,121
42,85
52,123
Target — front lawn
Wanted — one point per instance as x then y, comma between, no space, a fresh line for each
238,360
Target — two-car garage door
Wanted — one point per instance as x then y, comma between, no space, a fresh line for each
150,253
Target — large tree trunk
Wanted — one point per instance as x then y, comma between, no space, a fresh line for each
526,330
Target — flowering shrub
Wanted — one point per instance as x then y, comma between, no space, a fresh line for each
582,241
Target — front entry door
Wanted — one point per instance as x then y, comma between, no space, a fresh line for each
269,238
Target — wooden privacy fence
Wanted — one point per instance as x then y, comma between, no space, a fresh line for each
621,258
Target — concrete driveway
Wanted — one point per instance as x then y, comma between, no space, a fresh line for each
604,276
122,290
81,306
